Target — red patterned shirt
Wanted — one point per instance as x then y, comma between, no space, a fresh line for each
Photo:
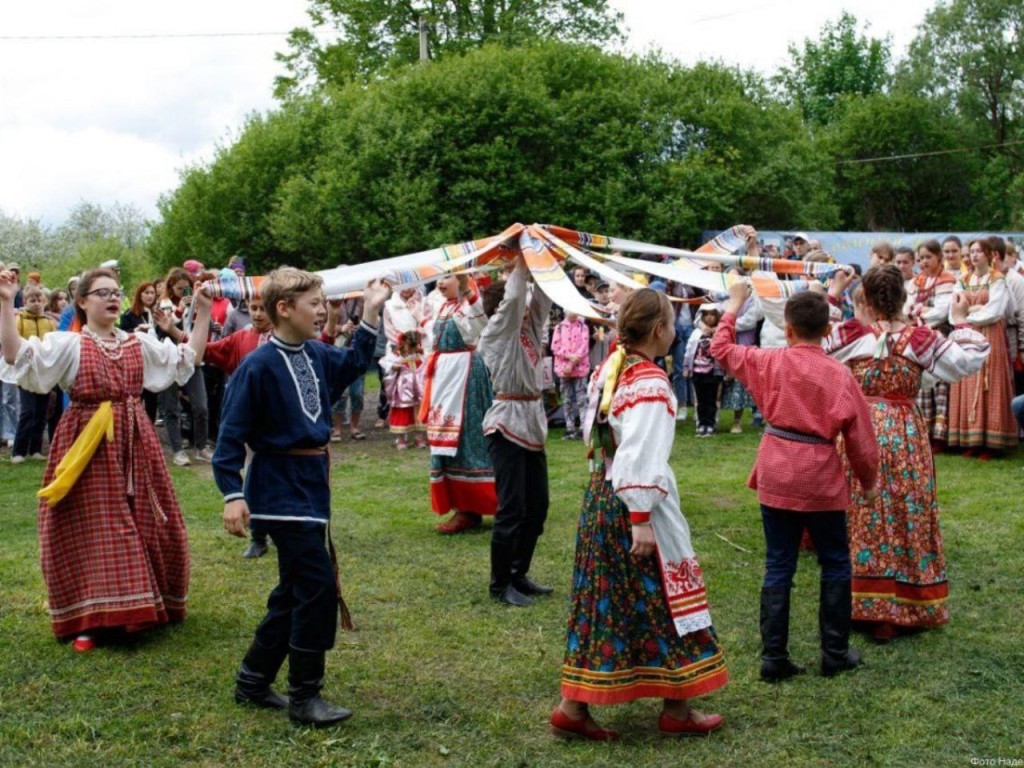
800,389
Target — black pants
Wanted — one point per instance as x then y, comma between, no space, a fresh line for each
706,387
214,380
521,481
28,440
302,610
782,531
383,406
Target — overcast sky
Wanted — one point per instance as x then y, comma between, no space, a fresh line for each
115,120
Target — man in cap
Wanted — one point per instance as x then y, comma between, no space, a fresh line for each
801,245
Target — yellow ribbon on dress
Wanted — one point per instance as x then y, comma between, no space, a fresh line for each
615,363
80,454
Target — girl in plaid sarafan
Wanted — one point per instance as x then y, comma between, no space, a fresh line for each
113,546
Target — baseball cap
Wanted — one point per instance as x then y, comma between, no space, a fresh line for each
801,236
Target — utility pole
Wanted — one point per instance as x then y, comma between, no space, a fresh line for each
424,53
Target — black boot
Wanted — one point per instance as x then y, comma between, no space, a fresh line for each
501,577
834,613
257,547
257,673
305,681
775,663
521,567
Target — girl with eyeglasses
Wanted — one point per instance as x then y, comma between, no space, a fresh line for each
113,546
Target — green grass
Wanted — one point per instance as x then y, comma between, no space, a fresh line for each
439,675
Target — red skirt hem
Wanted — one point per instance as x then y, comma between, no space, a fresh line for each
624,694
448,494
129,620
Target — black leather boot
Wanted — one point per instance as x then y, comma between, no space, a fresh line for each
305,681
834,612
775,663
259,668
521,567
257,547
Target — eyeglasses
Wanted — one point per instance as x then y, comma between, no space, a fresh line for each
106,293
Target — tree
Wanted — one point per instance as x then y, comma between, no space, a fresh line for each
971,53
927,192
550,132
840,62
375,34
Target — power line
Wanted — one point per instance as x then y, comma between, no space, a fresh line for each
935,153
143,36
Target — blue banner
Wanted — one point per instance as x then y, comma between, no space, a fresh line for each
855,247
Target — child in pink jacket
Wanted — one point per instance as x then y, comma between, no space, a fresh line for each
570,346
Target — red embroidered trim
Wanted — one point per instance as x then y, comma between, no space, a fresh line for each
625,400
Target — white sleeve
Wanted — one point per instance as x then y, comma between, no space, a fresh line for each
750,315
937,314
691,349
471,320
954,358
640,473
773,310
995,309
39,366
165,363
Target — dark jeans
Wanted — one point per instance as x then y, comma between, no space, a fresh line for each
383,407
680,385
214,380
706,386
302,610
28,440
521,481
170,404
782,531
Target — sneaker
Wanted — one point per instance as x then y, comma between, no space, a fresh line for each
159,422
379,424
181,459
17,459
737,429
681,414
37,457
205,455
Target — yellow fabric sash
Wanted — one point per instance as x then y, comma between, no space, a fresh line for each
616,362
80,454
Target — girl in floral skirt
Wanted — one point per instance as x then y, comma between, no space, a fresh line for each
639,625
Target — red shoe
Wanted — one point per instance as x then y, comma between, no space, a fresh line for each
673,726
461,521
83,644
884,632
984,456
584,728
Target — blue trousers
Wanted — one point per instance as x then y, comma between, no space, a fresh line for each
782,531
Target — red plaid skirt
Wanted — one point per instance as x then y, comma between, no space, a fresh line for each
114,551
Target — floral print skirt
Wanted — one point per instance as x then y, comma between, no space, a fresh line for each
622,644
899,570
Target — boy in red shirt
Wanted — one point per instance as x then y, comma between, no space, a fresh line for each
807,400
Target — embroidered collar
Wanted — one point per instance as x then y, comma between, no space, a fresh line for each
285,345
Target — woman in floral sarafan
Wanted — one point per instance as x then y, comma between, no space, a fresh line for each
899,569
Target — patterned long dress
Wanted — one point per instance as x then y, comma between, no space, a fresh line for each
465,481
979,406
114,551
899,569
626,640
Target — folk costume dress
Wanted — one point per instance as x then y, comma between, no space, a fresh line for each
638,627
928,300
114,550
404,389
457,395
979,406
899,569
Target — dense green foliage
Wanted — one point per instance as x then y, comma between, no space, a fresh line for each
549,132
439,675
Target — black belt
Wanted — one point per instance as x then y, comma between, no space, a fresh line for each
796,437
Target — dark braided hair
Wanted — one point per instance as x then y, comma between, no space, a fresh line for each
884,291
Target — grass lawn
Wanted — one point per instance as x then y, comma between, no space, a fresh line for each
439,675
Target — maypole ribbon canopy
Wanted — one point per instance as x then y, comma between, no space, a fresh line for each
546,249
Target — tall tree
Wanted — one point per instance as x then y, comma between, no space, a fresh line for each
370,35
839,62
